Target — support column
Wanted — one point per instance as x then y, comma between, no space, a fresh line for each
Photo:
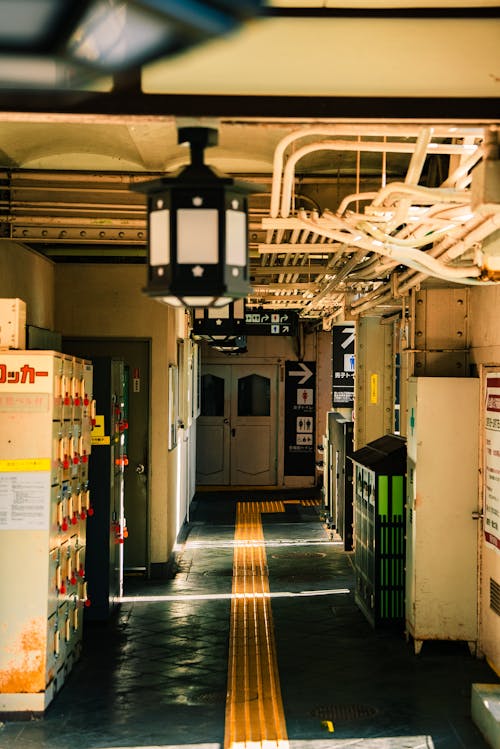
374,381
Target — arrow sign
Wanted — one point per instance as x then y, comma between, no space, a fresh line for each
350,337
304,373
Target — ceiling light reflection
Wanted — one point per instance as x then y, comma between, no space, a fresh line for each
408,742
268,544
183,597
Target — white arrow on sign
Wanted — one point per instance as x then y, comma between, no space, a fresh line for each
350,337
305,373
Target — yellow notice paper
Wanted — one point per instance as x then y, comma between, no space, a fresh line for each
98,428
98,440
97,435
374,388
25,464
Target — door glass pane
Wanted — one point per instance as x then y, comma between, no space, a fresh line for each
254,396
212,396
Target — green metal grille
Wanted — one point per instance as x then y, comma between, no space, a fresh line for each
379,545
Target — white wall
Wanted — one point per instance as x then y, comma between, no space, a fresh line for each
97,300
28,276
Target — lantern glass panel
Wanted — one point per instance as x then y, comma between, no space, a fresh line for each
159,239
222,313
222,301
239,309
236,238
172,301
198,301
197,236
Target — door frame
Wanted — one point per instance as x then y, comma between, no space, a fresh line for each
229,399
116,340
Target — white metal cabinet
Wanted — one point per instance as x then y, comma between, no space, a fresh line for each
442,494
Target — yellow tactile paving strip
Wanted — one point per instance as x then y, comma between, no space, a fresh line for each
254,708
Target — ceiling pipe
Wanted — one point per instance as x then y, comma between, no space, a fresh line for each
343,273
372,130
413,258
346,145
413,175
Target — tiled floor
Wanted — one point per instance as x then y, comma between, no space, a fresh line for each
157,675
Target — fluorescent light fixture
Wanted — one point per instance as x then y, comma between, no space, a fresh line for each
26,23
101,37
120,35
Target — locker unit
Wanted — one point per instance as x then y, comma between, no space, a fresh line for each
45,423
443,465
106,529
379,527
338,475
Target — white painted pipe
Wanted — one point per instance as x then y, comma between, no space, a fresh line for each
421,195
345,145
463,169
408,256
413,175
372,130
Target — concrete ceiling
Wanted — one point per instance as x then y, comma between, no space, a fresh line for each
67,164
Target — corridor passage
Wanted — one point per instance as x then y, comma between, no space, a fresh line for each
256,641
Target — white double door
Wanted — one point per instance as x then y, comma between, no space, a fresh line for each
236,441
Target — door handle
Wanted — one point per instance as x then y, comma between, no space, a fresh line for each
140,468
233,432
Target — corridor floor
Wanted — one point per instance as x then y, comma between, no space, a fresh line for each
157,674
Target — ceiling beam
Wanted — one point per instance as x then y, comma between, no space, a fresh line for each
306,108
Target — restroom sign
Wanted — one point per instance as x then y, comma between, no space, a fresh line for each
304,424
300,415
305,397
343,365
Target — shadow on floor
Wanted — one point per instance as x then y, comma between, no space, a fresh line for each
155,675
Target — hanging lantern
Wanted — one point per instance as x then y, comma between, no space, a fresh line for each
198,232
237,346
63,44
219,325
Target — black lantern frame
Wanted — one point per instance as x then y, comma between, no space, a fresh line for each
197,232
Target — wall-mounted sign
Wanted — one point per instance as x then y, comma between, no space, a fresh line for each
22,495
98,435
259,321
492,461
343,337
300,406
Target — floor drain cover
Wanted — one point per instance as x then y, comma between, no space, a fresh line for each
211,698
343,712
